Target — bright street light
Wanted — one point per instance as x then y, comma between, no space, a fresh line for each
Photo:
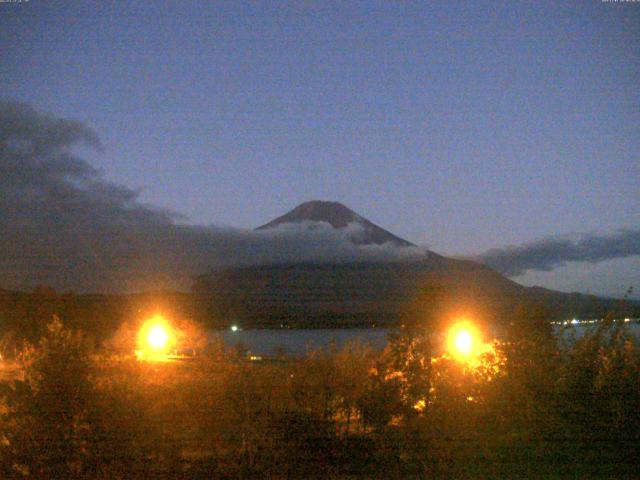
463,340
158,337
154,339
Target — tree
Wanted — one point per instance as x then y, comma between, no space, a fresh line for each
45,429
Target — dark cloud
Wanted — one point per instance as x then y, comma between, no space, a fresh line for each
63,224
550,253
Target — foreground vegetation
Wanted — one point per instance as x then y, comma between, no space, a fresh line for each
524,406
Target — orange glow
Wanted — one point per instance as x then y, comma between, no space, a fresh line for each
154,339
463,340
157,337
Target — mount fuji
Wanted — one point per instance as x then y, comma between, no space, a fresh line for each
338,216
426,288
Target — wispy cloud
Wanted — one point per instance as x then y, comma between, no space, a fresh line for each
549,253
65,225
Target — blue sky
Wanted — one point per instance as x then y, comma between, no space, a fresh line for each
463,126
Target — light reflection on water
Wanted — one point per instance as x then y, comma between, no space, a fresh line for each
298,342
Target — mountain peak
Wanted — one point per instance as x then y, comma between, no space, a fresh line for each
338,216
334,213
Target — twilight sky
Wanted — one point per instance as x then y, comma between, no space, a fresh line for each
464,127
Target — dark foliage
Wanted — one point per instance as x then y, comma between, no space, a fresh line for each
526,406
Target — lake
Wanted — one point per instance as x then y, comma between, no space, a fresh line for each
298,342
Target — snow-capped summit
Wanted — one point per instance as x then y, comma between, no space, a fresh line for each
338,216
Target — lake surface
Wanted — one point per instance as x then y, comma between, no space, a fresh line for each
298,342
